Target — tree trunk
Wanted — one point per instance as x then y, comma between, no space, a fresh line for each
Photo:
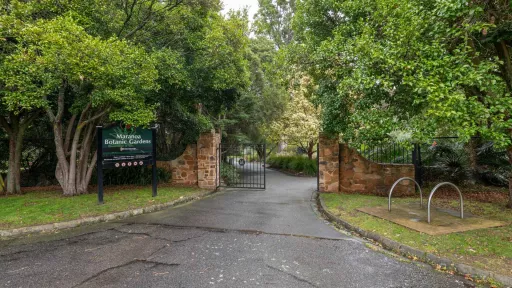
471,149
75,179
11,172
75,164
311,147
15,130
281,146
506,67
509,152
509,205
17,158
79,164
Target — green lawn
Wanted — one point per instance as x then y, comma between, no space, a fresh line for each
42,207
489,249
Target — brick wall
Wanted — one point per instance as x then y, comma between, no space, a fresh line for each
343,169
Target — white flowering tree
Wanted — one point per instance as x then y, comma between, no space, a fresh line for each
300,122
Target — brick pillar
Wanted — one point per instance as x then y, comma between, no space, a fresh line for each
329,166
207,160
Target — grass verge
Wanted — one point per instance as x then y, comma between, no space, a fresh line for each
489,249
44,207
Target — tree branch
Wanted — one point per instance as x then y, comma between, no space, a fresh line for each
88,176
60,101
69,131
129,14
143,23
84,112
84,152
98,116
29,119
5,125
151,12
50,114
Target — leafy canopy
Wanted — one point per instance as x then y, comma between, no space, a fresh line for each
109,74
403,68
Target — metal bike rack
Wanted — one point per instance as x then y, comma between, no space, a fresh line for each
396,183
434,191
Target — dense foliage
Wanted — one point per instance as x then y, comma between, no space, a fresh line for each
299,123
229,174
295,164
77,64
133,176
410,69
263,102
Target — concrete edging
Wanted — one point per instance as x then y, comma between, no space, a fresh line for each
405,250
103,218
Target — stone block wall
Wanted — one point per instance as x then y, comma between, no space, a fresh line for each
343,169
329,160
207,167
197,165
359,175
184,168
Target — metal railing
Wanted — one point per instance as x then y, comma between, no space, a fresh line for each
386,153
434,191
396,183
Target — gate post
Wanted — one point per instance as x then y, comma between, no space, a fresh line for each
318,167
328,164
416,160
207,160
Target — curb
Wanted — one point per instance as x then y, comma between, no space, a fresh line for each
404,250
103,218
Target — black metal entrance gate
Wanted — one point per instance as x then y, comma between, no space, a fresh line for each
242,166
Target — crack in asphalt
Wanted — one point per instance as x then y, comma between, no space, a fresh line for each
158,250
5,257
155,264
293,276
159,238
246,231
16,253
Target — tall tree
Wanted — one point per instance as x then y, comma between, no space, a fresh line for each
194,59
18,107
263,101
300,122
274,20
411,68
198,54
63,65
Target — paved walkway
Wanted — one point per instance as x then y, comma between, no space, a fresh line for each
245,238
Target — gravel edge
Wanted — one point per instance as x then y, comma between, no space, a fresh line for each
461,269
103,218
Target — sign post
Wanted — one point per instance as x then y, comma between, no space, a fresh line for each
155,179
99,163
121,147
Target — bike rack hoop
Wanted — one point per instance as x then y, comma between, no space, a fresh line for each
396,183
434,191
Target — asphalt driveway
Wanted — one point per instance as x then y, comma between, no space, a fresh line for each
237,238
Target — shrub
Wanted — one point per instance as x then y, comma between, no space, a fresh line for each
450,162
229,174
296,164
133,176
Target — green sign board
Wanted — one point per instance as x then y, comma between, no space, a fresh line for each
126,147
